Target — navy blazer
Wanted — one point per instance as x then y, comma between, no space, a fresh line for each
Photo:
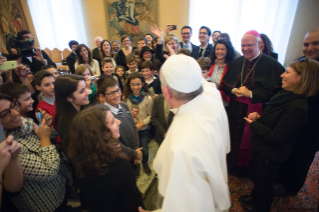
206,54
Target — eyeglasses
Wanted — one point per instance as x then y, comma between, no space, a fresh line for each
112,93
248,45
7,112
136,85
126,41
186,33
203,33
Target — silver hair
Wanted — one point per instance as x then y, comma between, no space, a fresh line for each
99,38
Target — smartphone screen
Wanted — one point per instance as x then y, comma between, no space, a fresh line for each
2,135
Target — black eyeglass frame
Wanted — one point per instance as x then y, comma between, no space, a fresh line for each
7,112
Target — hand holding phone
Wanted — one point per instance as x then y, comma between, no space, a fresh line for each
39,116
7,65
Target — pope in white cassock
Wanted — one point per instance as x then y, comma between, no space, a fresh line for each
191,162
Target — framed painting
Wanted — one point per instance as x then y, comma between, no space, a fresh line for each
12,17
131,17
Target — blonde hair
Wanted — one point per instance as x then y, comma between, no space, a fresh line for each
168,38
81,69
308,70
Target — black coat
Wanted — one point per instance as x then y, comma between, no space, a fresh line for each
159,120
71,59
36,65
197,48
114,191
275,132
121,58
96,53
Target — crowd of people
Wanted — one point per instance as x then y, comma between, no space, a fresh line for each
213,111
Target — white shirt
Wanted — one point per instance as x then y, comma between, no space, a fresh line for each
191,161
189,47
114,110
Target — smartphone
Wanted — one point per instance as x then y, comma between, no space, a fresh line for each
173,27
93,78
39,114
2,135
8,65
27,52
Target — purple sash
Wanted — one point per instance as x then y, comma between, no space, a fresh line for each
244,154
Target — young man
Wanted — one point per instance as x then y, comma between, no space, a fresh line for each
71,59
110,94
137,56
153,82
131,64
205,47
22,94
44,82
107,68
205,64
141,42
52,70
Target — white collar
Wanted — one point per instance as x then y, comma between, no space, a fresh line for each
259,52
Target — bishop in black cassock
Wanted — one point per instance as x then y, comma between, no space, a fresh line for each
251,80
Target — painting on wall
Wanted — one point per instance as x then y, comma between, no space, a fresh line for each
131,17
12,19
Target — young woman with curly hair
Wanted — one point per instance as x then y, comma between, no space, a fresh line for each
84,56
138,99
104,175
222,53
266,46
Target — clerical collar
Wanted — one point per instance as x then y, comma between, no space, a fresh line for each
259,52
189,107
49,100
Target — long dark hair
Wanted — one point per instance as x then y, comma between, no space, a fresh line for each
267,44
127,88
102,53
79,58
65,86
230,50
92,146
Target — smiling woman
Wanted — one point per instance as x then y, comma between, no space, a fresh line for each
36,153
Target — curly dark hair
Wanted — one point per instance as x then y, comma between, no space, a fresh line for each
127,88
230,50
267,44
78,54
92,146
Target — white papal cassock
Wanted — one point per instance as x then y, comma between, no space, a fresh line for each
191,161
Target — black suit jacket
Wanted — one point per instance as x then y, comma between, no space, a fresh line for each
96,53
158,118
193,46
71,59
36,65
206,54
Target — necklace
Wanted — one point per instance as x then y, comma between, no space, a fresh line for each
242,71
